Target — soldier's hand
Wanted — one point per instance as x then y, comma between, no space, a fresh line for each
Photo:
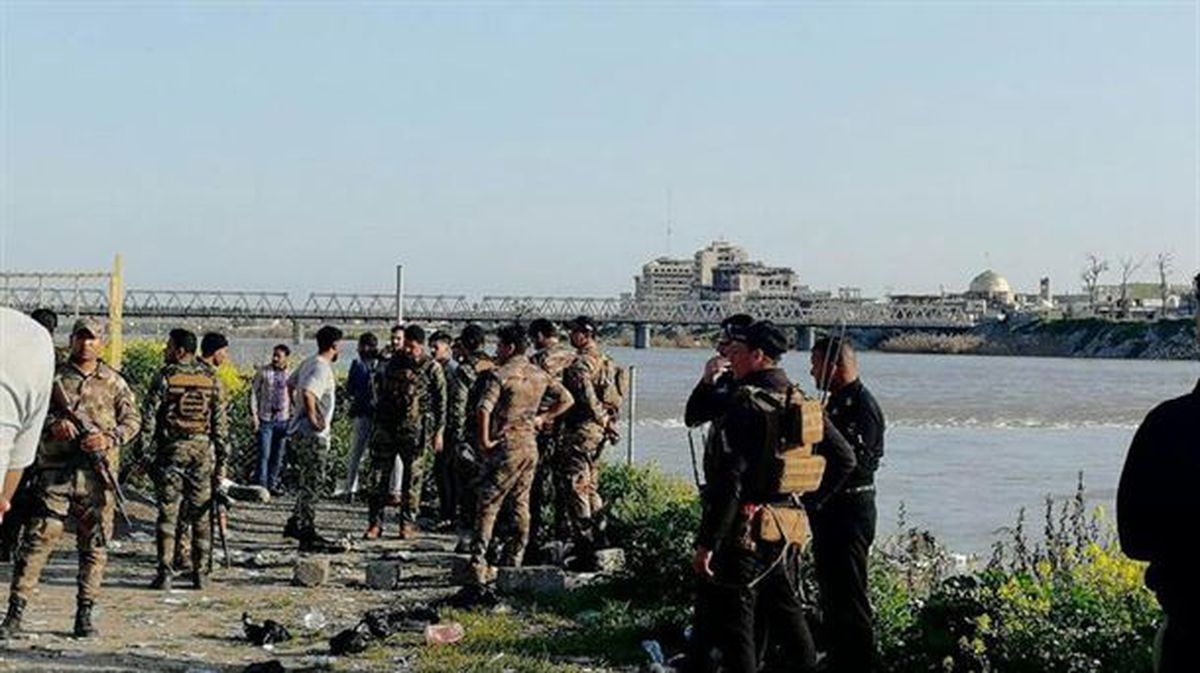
95,442
714,367
702,563
438,442
539,422
63,431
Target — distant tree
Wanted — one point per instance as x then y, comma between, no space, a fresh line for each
1129,266
1162,262
1096,266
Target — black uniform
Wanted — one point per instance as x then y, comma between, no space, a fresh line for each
843,530
750,583
1157,506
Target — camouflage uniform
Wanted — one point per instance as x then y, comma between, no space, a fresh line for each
513,394
577,469
554,361
186,422
66,484
183,529
411,411
464,460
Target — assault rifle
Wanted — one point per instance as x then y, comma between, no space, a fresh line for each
220,501
58,396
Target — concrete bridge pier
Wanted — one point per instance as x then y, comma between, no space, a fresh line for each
806,336
297,332
641,335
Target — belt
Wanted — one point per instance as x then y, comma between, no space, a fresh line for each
854,490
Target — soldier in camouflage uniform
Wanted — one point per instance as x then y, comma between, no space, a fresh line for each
188,431
214,351
68,483
509,417
554,359
591,378
409,418
464,460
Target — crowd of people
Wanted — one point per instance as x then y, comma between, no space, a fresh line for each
500,431
496,428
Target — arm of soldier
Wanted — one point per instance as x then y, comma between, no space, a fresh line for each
840,461
483,412
155,395
456,408
219,429
1141,506
563,400
437,399
722,497
579,381
129,419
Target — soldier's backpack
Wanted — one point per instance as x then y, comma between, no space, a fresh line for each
612,384
189,403
793,424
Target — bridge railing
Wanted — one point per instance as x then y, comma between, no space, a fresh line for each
381,307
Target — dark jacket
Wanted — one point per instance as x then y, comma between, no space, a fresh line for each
360,387
854,411
1157,501
736,479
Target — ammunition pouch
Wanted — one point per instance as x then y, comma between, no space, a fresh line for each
781,524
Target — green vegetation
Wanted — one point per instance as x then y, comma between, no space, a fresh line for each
1066,602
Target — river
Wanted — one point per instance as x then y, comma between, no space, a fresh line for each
970,439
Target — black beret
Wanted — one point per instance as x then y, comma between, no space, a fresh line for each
763,335
582,324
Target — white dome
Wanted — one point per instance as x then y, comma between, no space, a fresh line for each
989,283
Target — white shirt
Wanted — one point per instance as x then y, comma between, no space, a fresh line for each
314,375
26,374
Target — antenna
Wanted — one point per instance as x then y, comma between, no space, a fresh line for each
669,222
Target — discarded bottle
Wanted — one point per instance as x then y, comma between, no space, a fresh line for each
444,634
314,620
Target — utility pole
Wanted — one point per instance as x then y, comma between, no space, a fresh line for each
116,309
399,294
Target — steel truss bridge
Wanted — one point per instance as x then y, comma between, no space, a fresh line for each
79,298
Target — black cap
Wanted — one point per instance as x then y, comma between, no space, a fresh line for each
440,335
582,324
472,337
734,321
763,335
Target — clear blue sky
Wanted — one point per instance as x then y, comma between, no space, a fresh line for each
529,149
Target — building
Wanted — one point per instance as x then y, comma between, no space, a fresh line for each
721,271
665,279
717,254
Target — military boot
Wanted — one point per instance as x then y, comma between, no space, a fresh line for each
162,579
292,529
199,580
12,620
83,620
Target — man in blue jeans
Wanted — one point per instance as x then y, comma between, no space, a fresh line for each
270,409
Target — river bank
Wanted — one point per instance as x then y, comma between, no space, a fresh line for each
1086,338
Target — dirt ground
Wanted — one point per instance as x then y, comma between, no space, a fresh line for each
187,630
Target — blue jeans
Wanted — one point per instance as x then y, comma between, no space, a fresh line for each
271,450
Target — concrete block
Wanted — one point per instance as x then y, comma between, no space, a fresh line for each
311,571
383,574
610,560
249,493
532,580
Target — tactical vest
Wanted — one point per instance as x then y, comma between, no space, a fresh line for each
793,425
190,397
